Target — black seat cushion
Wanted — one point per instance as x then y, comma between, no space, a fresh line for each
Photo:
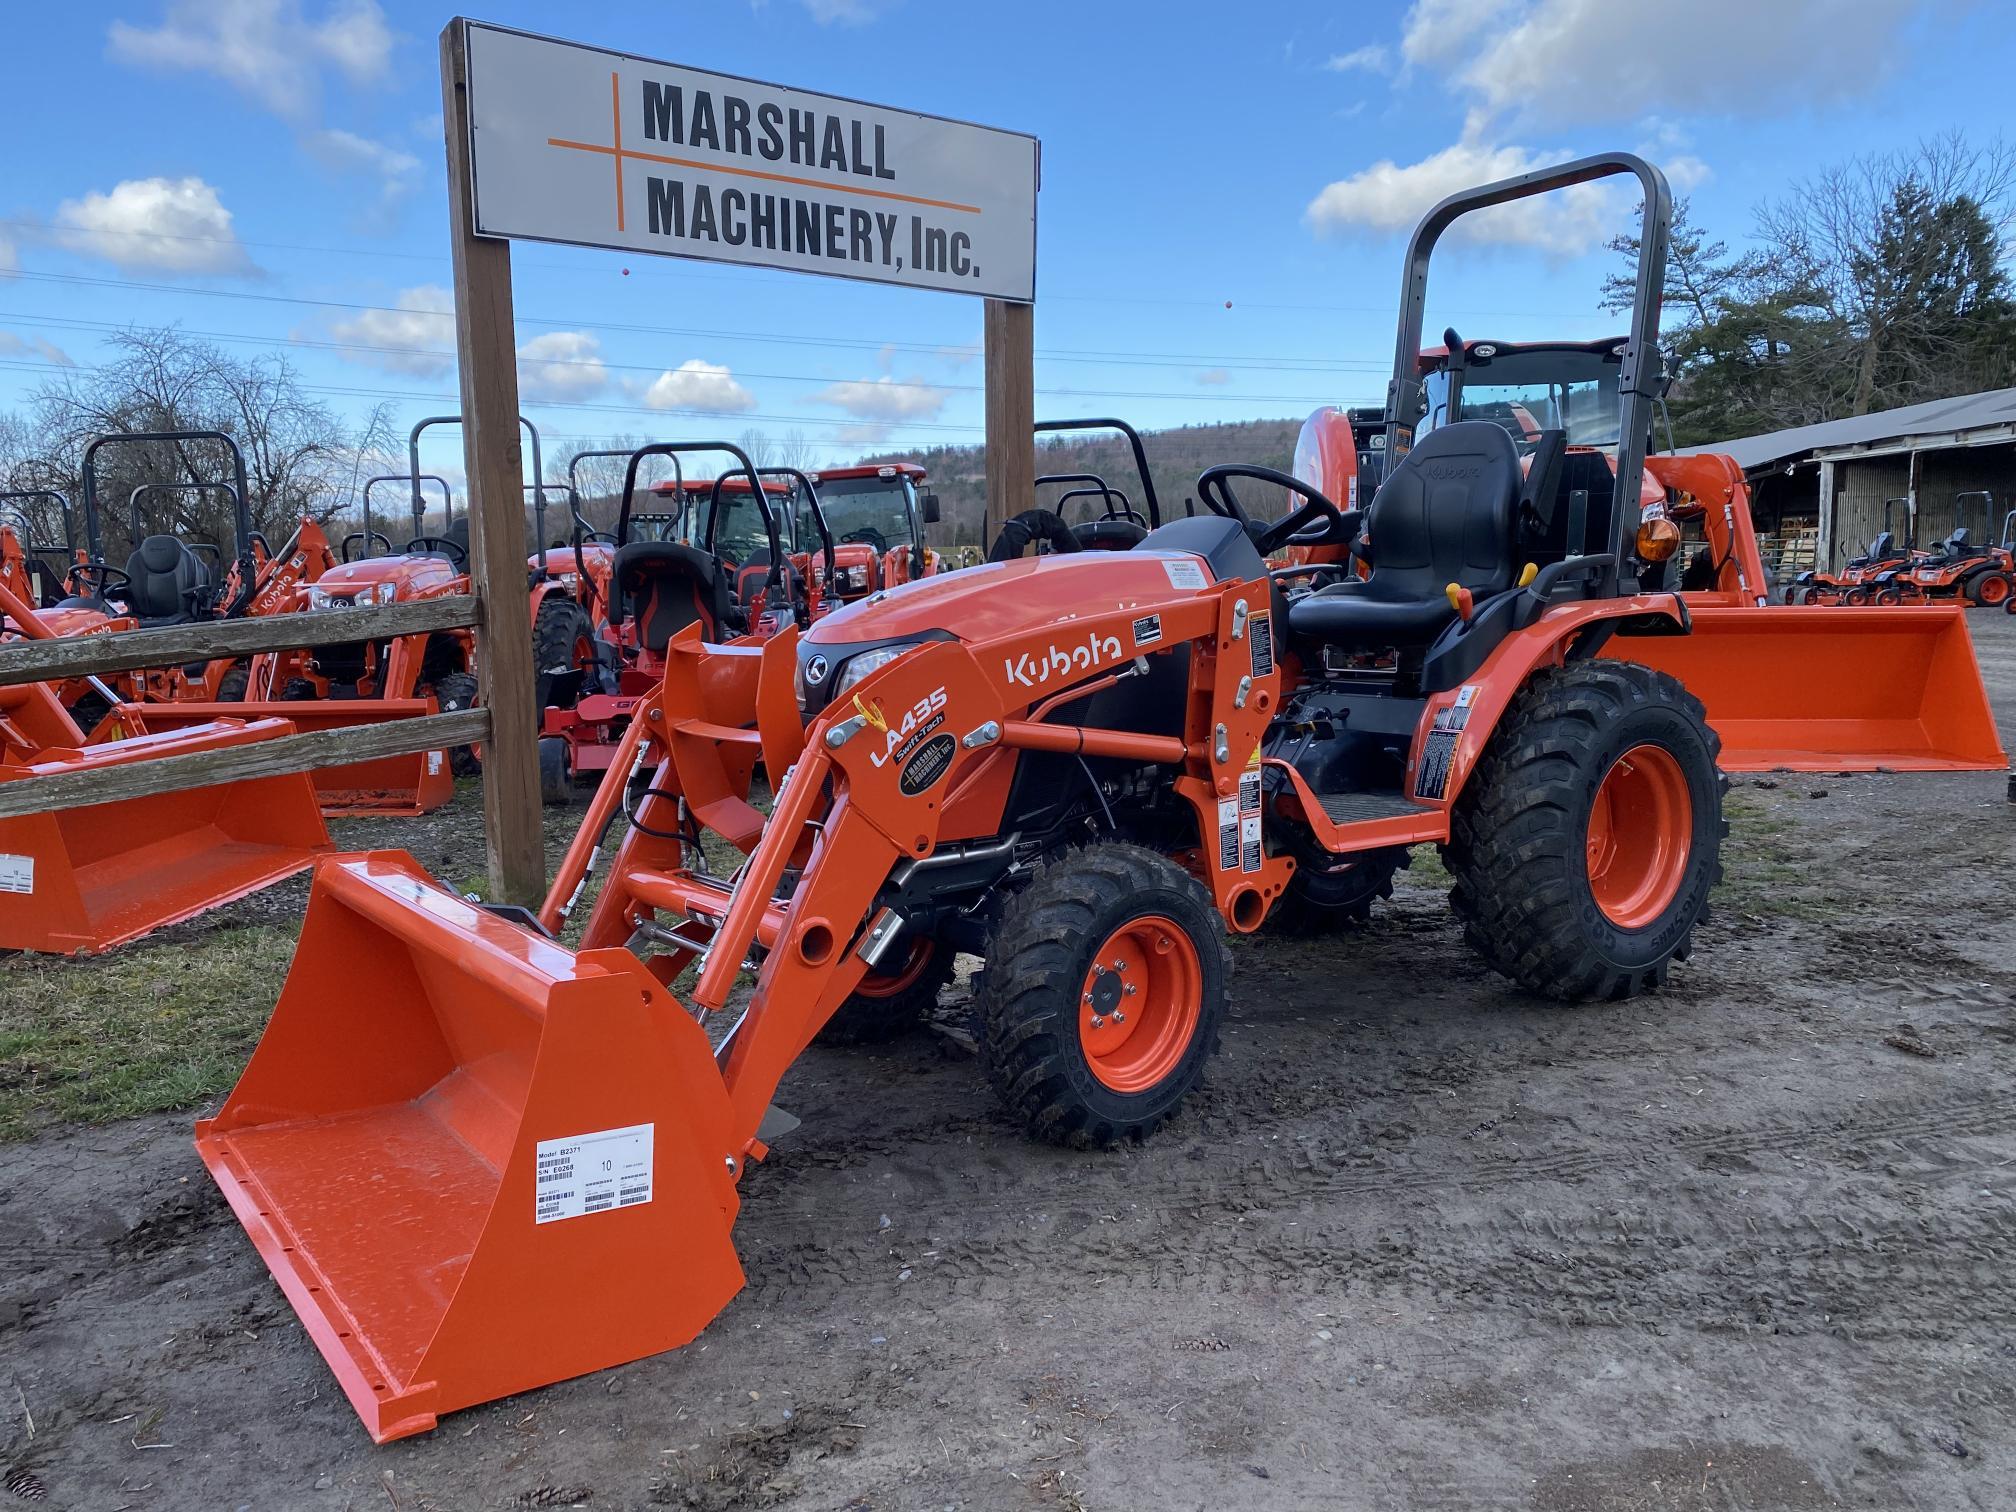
1113,534
751,578
664,587
1444,515
169,582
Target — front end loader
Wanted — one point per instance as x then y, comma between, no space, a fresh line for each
493,1161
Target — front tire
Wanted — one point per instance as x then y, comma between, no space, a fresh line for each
888,1005
1104,993
1586,842
452,692
1318,902
1990,590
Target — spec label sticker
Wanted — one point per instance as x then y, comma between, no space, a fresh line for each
1261,636
1184,572
1147,629
1457,715
17,874
1249,790
1228,834
592,1173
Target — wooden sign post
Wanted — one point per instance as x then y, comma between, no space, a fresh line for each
1010,343
485,345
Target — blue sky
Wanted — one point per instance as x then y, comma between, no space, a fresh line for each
1225,190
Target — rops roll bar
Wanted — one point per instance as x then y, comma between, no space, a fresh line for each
1134,443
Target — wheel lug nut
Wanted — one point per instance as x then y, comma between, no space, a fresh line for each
1119,1017
1130,989
1100,1023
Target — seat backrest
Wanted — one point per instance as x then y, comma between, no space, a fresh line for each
662,587
168,579
1444,514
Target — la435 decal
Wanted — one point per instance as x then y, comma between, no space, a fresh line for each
899,738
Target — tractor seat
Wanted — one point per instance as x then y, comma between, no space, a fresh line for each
1110,534
751,576
1444,515
170,582
665,587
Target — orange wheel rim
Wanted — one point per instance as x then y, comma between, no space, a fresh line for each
883,985
1994,590
1641,833
1139,1005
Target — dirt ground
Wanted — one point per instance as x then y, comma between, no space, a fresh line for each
1422,1243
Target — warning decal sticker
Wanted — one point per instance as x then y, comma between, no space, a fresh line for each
1249,843
1228,834
1436,754
17,874
1262,634
592,1173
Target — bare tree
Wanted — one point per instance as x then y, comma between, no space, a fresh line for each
300,459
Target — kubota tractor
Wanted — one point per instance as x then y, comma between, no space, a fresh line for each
492,1161
877,516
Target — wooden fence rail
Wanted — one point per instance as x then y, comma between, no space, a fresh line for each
271,758
27,661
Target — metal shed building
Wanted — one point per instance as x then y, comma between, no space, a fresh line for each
1818,491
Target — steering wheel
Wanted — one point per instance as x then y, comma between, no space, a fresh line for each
456,553
600,538
1214,487
358,535
99,579
868,535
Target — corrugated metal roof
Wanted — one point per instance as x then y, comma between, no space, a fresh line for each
1937,417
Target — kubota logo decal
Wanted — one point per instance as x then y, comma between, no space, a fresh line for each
1033,669
899,739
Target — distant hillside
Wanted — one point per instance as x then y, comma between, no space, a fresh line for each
1176,457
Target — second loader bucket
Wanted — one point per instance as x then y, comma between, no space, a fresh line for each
91,877
1834,689
393,786
475,1162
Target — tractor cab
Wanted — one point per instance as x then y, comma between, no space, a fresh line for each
877,515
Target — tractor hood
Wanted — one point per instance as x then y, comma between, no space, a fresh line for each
979,604
408,575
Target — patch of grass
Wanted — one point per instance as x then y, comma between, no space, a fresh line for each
1426,869
143,1030
1767,871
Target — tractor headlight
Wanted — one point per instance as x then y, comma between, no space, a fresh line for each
860,666
856,577
318,598
385,593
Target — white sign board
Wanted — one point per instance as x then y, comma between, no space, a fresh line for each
578,144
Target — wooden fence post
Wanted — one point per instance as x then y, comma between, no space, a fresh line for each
485,344
1010,337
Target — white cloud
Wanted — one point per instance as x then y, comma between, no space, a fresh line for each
1372,58
1559,62
1214,377
884,399
559,366
266,49
18,346
1437,32
698,385
1388,197
418,337
395,172
169,225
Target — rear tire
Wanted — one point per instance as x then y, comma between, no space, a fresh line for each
1593,760
1094,923
563,651
1317,902
232,685
1889,596
1989,590
453,692
889,1005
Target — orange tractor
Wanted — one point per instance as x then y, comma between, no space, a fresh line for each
877,517
1956,568
493,1161
1857,582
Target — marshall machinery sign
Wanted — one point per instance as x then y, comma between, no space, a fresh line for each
577,144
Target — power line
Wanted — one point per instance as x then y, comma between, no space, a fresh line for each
1059,354
65,323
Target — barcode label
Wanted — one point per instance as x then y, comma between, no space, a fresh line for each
592,1173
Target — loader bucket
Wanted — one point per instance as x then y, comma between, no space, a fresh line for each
1835,690
90,878
475,1162
391,786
